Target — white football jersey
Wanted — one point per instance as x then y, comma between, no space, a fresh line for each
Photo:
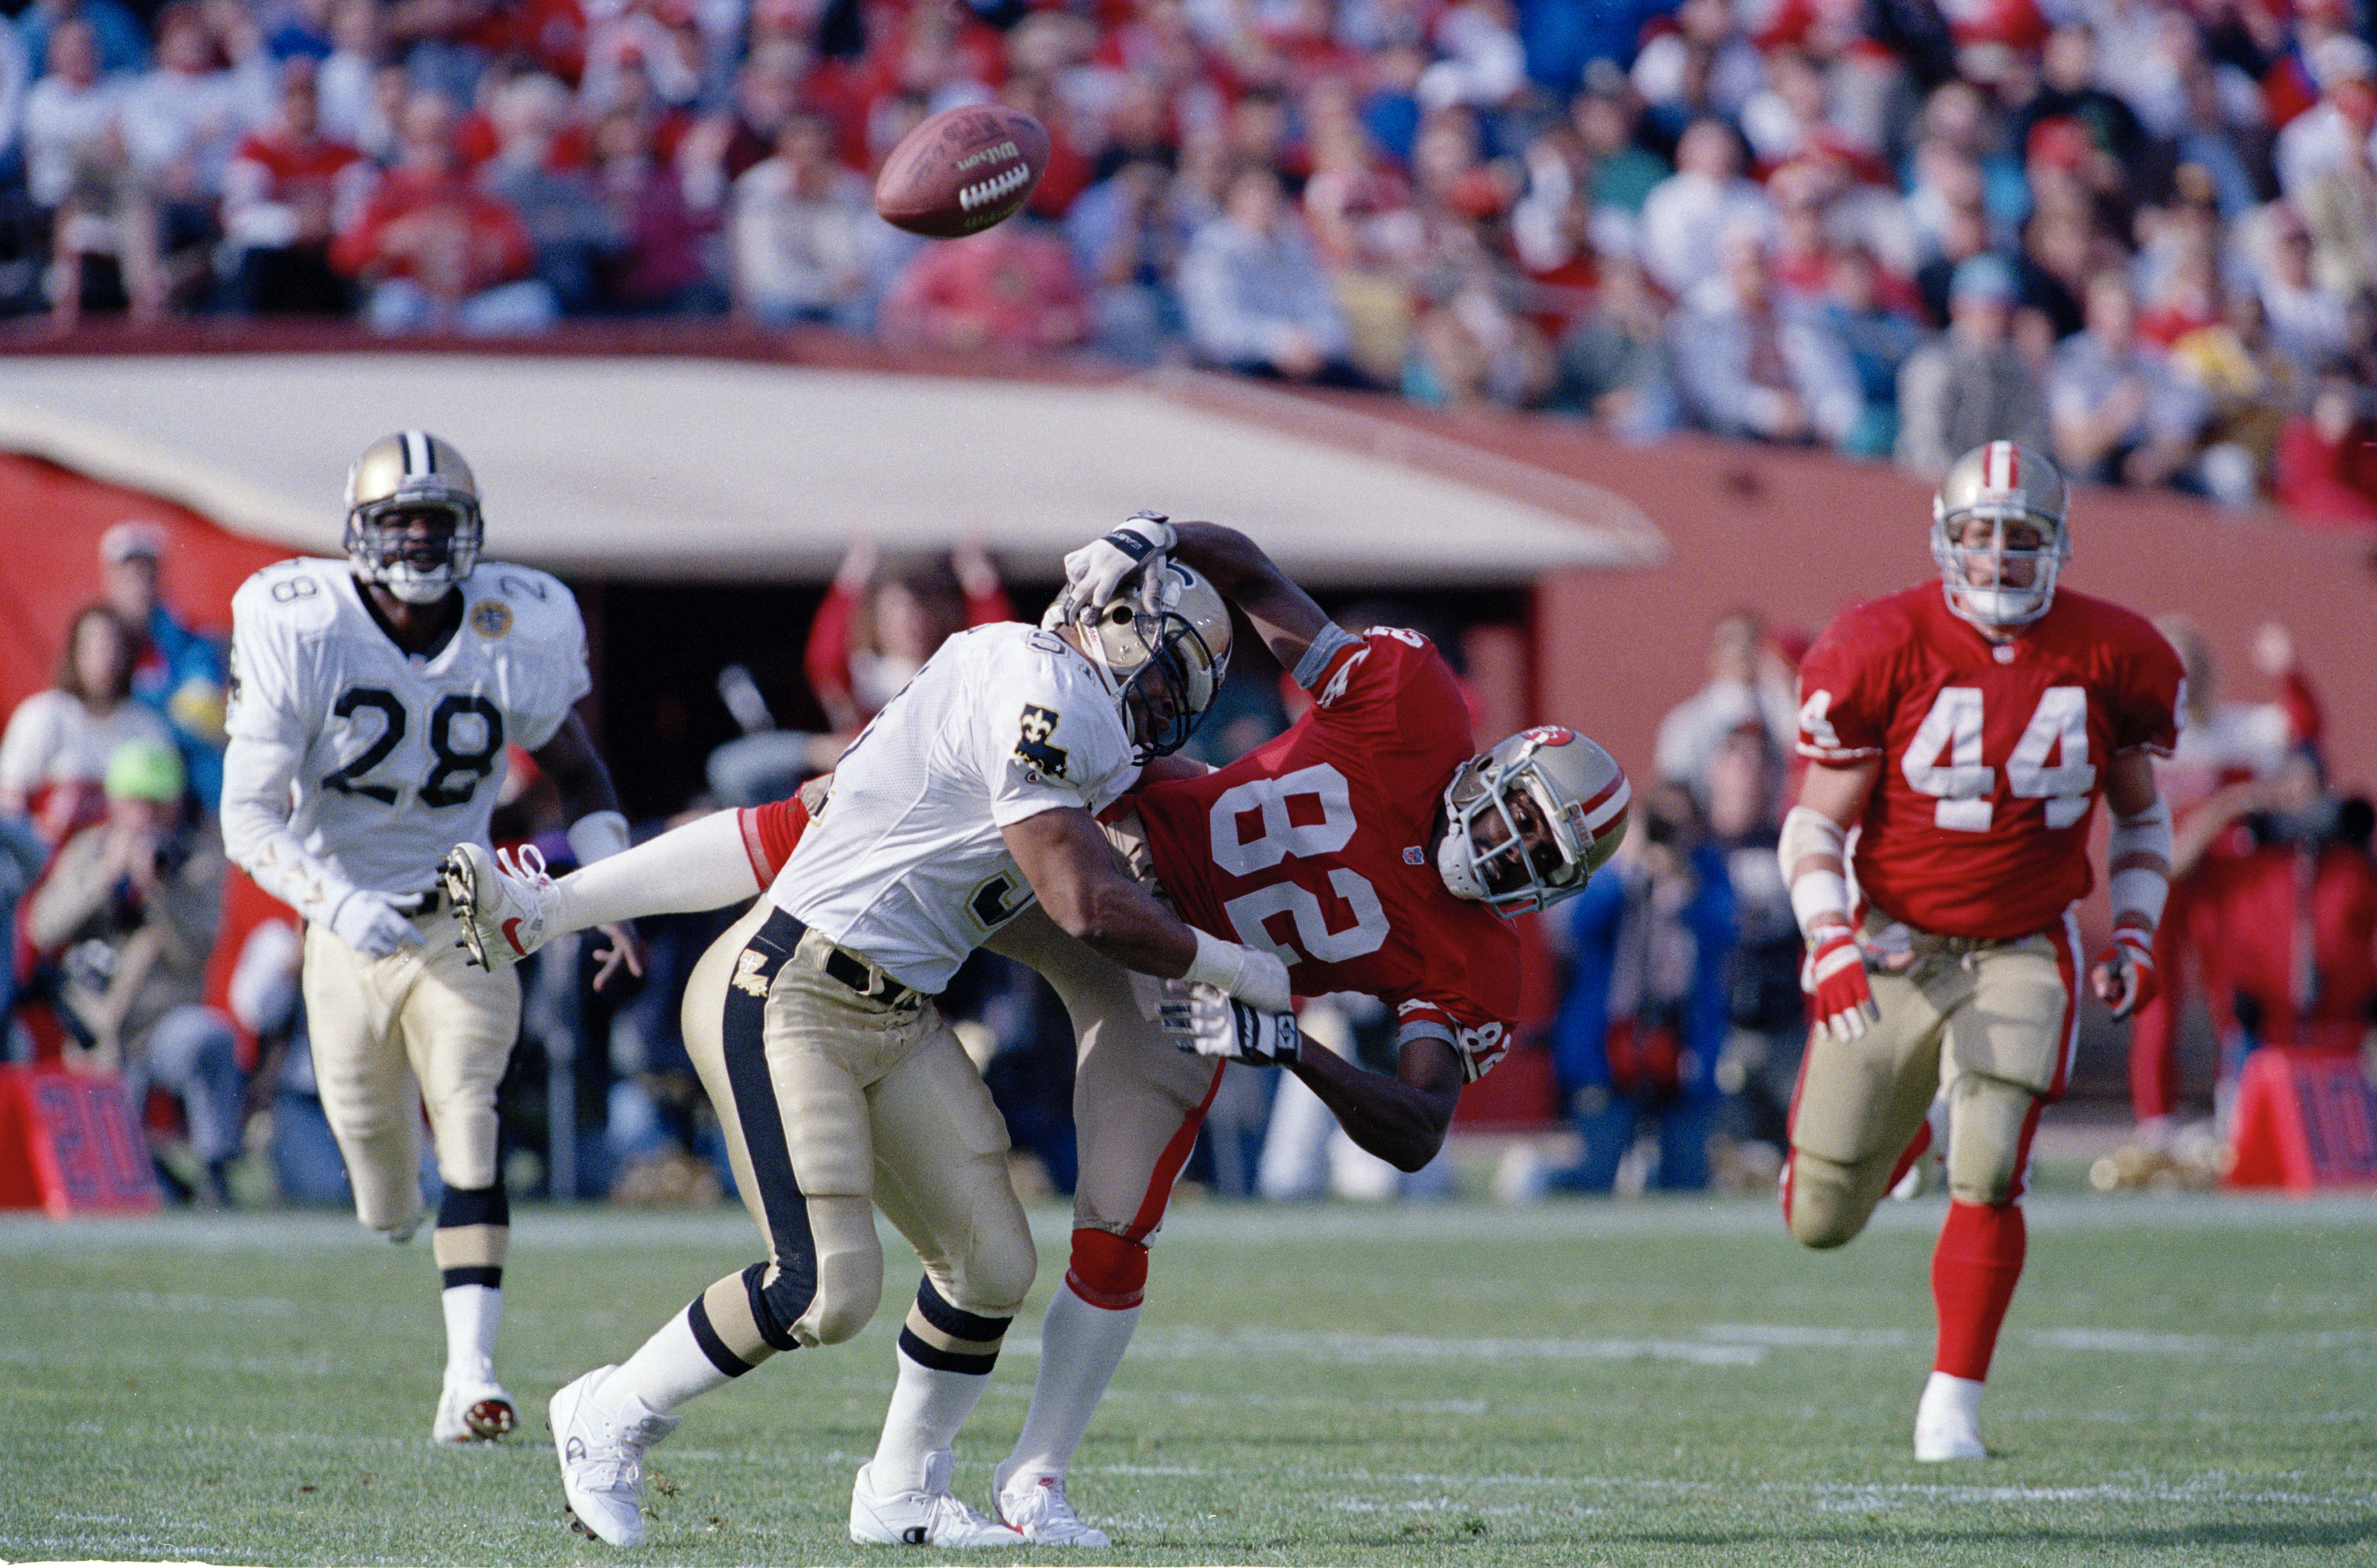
906,864
403,754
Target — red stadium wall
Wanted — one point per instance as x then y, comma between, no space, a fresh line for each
52,518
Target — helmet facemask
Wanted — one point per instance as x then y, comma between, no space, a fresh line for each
2014,586
1165,664
1514,839
420,570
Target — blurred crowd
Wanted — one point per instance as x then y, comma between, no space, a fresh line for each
2140,235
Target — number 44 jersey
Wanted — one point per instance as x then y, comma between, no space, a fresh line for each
1320,845
1993,755
402,756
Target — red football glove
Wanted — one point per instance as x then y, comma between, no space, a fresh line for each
1833,974
2124,977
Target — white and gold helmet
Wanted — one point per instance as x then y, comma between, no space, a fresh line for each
2004,483
400,476
1165,663
1551,805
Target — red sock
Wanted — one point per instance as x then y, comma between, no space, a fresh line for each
1974,1271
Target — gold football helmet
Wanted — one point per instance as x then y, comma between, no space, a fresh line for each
1165,664
399,478
2001,483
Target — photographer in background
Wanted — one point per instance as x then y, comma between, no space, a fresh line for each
1644,1013
122,923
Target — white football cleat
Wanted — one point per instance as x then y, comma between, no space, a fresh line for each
1036,1505
927,1517
504,902
1948,1419
602,1458
472,1410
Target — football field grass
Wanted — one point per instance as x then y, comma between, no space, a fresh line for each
2183,1379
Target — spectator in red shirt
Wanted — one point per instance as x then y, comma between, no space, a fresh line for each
287,191
434,250
2327,456
1011,287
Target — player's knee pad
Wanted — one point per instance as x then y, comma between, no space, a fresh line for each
1826,1207
846,1278
1107,1270
997,1272
1990,1123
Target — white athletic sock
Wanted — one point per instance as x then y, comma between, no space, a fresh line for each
1080,1345
473,1314
668,1369
928,1405
699,866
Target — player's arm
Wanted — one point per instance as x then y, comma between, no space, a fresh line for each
2138,856
1283,615
1814,858
1401,1119
1072,869
597,829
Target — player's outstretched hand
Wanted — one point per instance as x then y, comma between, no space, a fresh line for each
626,950
372,923
1833,974
1209,1022
2124,977
1095,572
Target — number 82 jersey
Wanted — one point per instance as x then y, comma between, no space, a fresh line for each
1993,755
400,757
1316,845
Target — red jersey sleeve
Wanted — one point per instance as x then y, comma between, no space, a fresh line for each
2149,684
1846,696
770,832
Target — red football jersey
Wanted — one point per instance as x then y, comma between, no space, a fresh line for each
1316,846
1993,755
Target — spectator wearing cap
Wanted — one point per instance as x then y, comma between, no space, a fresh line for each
124,919
2307,322
181,671
1970,385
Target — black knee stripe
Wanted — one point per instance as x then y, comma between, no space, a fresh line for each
697,1317
493,1278
957,1324
474,1205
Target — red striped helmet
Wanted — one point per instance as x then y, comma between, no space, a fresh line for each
2000,482
1528,823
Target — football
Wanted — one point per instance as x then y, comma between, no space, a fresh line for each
962,170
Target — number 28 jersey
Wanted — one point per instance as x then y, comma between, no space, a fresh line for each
400,757
1993,755
1316,846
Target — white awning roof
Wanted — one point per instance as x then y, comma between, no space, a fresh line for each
695,468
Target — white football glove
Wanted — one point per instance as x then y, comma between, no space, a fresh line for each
1095,572
1209,1022
373,924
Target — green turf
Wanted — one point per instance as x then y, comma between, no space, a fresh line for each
2184,1379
